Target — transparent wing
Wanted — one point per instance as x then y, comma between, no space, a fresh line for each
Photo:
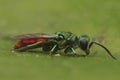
35,35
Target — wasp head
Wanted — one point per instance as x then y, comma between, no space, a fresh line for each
83,43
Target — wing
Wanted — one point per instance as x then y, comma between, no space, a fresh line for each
35,35
31,43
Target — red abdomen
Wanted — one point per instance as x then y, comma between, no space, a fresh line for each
25,42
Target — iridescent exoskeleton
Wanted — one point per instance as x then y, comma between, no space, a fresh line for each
51,43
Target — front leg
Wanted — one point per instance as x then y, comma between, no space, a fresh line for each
70,49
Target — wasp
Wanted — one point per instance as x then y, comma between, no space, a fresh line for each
51,43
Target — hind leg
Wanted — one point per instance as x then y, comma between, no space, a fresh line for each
70,49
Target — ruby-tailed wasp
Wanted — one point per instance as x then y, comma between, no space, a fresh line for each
51,43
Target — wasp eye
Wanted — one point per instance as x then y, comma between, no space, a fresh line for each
83,42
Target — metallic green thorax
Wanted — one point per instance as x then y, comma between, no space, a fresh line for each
66,38
66,35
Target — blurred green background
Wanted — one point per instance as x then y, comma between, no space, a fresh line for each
96,18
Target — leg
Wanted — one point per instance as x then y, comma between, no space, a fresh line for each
54,49
70,49
73,50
